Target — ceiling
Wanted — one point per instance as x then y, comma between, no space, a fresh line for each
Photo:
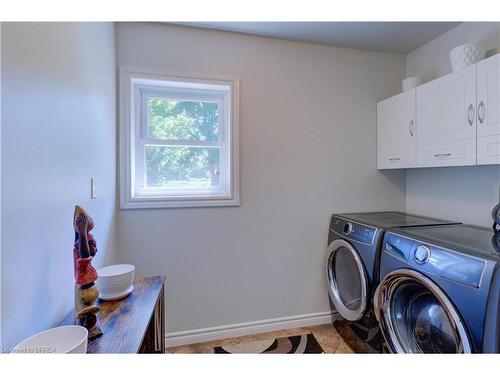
393,37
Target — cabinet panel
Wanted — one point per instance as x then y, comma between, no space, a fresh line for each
488,96
396,158
447,154
488,111
396,121
446,108
488,150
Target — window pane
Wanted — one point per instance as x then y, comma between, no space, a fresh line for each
186,120
182,167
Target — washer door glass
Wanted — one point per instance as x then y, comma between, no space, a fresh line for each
418,318
346,280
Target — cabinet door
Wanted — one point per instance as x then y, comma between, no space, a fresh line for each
396,121
446,108
488,110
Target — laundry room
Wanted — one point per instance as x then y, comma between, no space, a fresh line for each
186,185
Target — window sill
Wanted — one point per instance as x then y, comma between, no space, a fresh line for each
149,203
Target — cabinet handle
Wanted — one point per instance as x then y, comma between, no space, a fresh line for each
411,128
481,109
394,159
470,114
442,156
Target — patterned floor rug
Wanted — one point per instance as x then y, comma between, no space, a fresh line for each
282,345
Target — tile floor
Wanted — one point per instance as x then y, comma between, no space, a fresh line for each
334,339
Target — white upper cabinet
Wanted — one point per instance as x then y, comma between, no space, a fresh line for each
396,121
446,113
451,121
446,108
396,125
488,111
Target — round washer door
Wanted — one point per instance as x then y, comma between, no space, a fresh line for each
415,316
347,281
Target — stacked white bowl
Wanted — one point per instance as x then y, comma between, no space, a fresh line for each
65,339
410,83
116,281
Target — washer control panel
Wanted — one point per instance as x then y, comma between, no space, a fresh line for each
448,264
353,231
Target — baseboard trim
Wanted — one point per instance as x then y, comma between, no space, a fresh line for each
246,328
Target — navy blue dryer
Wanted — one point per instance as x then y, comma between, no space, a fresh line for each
439,290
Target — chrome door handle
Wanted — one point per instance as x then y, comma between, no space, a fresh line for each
394,159
411,127
470,114
481,109
442,156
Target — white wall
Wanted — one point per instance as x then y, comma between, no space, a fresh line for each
461,193
308,139
59,129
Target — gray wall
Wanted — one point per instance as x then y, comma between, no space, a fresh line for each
308,146
0,183
462,193
59,129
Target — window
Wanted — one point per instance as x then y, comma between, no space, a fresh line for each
179,141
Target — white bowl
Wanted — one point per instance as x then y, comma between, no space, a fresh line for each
118,295
116,270
113,289
465,55
121,285
65,339
410,83
115,281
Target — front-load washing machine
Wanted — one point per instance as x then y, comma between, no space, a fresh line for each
352,262
439,290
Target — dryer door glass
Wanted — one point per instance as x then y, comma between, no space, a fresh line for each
416,316
347,277
346,280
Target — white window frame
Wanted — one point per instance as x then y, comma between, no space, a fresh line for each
135,87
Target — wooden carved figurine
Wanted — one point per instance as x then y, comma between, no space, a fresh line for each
86,292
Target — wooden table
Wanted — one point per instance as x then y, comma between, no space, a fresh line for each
135,324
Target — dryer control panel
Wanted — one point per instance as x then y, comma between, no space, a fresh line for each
353,231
